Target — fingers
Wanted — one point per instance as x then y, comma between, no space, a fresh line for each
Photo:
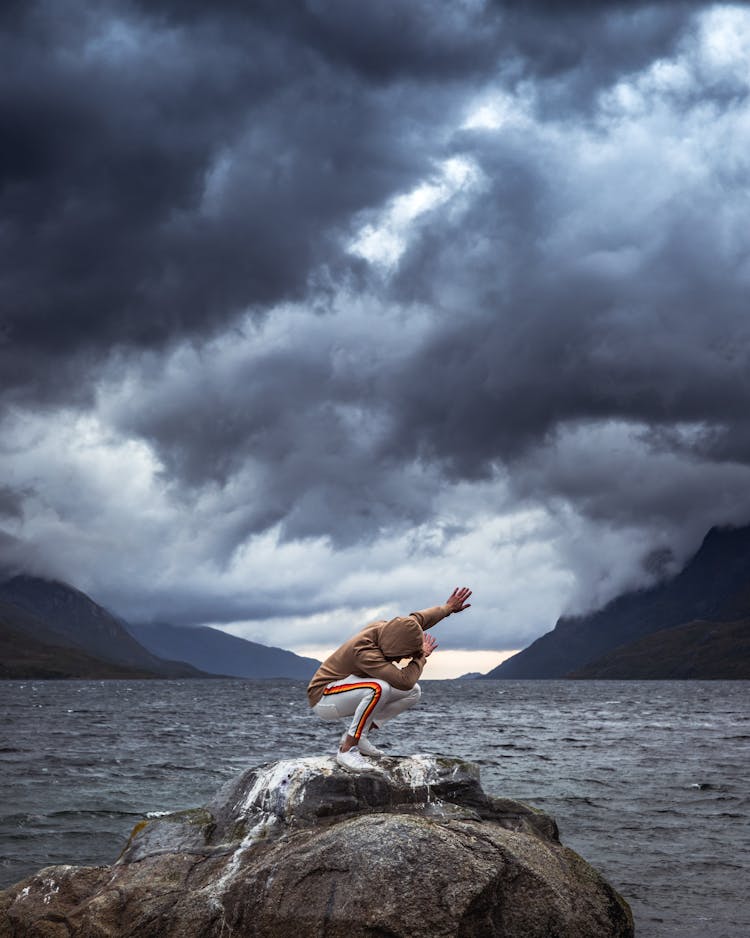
429,644
458,597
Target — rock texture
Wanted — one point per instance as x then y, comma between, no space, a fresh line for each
302,847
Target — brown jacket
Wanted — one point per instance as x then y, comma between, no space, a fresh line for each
372,651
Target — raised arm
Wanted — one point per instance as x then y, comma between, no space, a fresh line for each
456,602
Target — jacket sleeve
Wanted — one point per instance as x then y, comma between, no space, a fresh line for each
429,617
372,662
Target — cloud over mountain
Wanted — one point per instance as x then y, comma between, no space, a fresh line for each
314,294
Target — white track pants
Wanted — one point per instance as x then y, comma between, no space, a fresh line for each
366,700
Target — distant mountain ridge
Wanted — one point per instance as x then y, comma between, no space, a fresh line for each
59,616
29,650
709,651
713,587
50,629
219,653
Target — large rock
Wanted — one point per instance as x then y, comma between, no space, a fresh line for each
302,847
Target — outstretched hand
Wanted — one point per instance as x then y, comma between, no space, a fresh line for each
457,599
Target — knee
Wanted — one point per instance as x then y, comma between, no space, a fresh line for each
326,710
415,693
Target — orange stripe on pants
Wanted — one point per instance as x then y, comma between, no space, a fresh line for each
377,691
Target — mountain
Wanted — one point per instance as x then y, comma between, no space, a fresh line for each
705,650
713,587
29,650
218,653
51,629
48,624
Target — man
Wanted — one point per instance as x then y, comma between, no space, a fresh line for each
360,679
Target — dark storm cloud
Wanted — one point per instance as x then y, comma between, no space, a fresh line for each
380,42
17,555
573,48
558,353
641,317
294,431
175,165
528,339
163,177
11,502
536,364
170,164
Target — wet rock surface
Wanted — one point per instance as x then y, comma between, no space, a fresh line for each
415,848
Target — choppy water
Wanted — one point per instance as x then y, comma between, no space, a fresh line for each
650,781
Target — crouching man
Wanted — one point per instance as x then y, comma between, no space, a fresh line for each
360,681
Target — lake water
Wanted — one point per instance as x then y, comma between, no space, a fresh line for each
649,781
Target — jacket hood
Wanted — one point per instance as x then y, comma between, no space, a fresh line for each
400,638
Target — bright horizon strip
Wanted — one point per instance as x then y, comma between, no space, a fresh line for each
441,666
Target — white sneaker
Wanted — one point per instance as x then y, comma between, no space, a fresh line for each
354,761
365,746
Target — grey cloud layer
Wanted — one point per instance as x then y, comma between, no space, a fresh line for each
166,176
186,177
173,164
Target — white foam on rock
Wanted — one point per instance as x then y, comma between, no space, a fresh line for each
255,834
421,771
282,784
418,771
277,787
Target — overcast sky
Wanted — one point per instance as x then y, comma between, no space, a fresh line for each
313,310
